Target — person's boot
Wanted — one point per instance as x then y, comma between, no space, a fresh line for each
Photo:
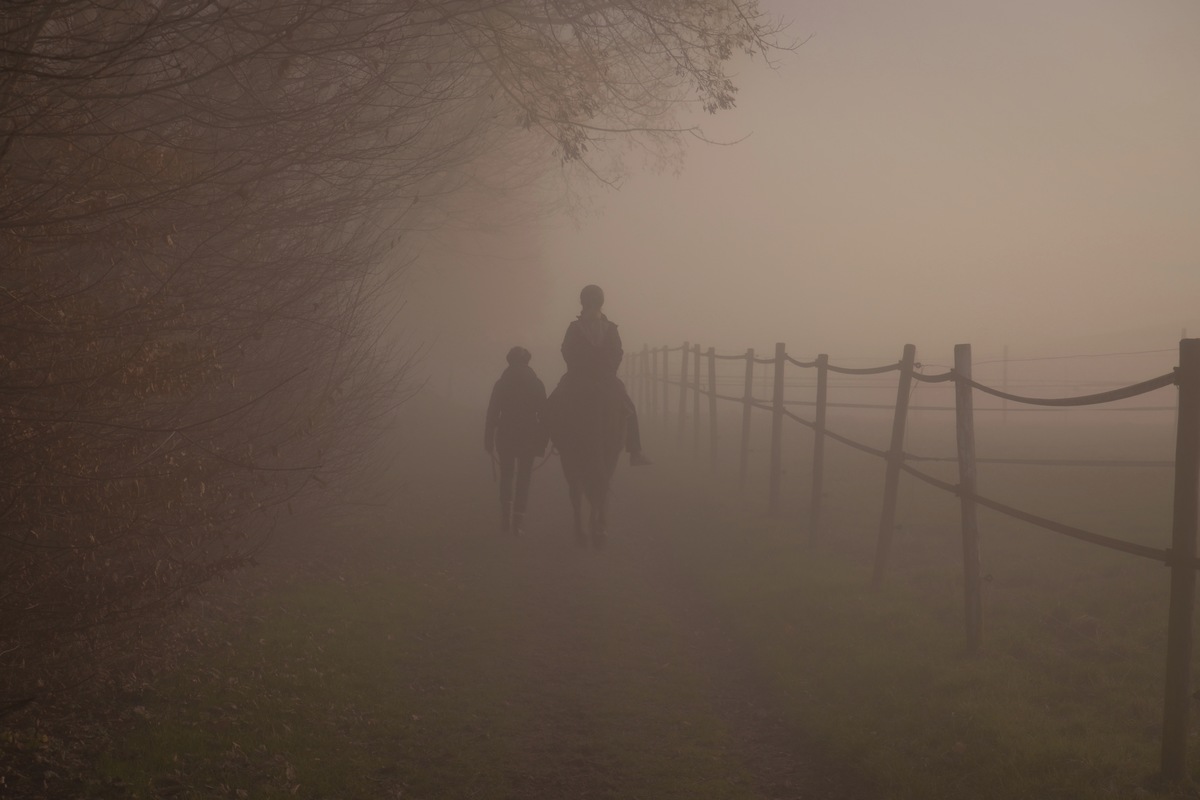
505,516
639,459
518,519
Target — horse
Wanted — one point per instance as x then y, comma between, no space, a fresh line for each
587,426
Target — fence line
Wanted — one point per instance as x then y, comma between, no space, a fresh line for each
1180,556
882,407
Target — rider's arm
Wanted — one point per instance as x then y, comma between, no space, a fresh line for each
614,349
570,347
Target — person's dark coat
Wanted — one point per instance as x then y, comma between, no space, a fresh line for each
515,422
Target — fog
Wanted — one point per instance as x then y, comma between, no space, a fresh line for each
264,263
1020,174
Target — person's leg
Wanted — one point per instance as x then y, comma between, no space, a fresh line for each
633,435
521,501
507,464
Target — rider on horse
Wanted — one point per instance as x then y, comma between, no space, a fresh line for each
593,352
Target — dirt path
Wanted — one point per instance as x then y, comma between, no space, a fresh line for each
617,676
414,652
779,758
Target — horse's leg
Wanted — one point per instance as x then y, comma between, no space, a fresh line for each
599,523
577,511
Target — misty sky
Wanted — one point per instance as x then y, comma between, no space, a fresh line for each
1023,173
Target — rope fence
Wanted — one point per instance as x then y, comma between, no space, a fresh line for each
651,392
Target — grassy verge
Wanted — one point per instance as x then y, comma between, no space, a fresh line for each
1064,702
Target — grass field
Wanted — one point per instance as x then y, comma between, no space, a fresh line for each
710,652
1065,700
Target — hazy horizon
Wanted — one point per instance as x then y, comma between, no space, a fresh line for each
1022,175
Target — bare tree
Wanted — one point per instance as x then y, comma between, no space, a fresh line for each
195,199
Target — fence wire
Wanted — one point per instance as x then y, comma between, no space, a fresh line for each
1083,400
1122,393
862,370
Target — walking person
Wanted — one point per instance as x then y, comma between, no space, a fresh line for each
515,434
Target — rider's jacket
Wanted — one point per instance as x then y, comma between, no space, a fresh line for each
592,349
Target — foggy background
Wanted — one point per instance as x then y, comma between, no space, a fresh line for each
241,236
1020,174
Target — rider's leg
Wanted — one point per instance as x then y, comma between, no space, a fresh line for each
521,501
633,436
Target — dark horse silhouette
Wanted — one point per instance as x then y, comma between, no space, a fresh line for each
587,426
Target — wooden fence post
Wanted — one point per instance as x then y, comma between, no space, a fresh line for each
747,410
653,385
1004,386
766,382
666,387
631,379
712,406
639,380
895,457
1182,560
685,354
639,385
818,469
696,399
964,416
647,389
777,428
643,374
